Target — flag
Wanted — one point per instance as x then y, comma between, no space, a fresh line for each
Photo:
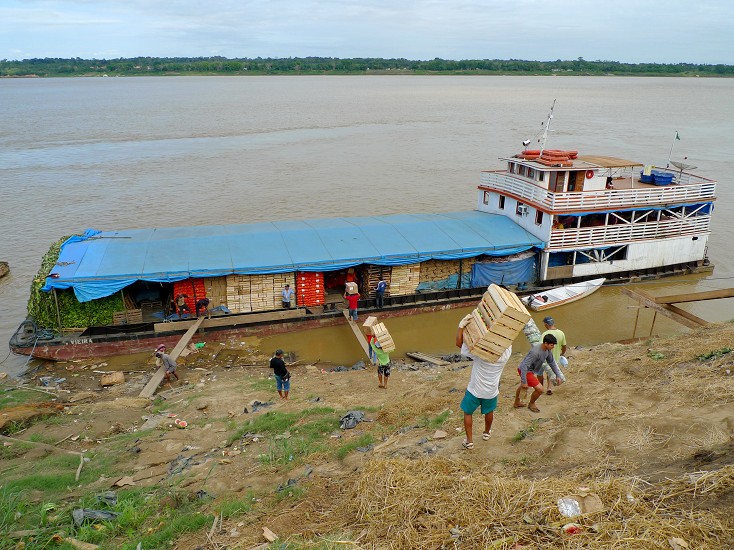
677,136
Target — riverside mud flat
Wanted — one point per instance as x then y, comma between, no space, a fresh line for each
659,412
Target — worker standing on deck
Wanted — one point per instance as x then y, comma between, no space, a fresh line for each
203,304
287,293
483,389
380,293
181,306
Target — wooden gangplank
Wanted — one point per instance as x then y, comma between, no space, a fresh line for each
155,381
424,357
357,333
664,307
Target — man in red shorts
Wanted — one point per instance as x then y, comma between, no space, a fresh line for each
531,367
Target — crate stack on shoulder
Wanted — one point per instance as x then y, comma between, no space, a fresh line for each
310,288
496,321
383,337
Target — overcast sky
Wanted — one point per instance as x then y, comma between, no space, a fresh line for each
634,31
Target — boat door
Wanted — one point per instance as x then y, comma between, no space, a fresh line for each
556,181
576,180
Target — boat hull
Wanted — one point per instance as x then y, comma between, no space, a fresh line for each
95,346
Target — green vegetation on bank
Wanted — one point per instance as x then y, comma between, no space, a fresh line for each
137,66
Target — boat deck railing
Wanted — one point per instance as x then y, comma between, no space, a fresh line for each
694,189
608,235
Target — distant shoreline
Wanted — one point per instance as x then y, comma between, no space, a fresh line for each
318,66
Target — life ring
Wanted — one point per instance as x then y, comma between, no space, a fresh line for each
589,174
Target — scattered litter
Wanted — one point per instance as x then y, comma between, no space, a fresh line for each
288,484
51,381
58,539
269,535
200,345
351,419
201,494
181,423
569,507
257,405
359,365
572,529
314,400
108,497
284,435
80,514
366,449
340,368
172,415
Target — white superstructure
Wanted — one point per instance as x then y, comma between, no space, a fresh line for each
603,216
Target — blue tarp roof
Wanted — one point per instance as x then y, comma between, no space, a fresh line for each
101,263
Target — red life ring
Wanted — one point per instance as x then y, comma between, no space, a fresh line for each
589,174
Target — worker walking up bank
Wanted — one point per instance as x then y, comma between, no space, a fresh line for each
531,367
483,389
383,369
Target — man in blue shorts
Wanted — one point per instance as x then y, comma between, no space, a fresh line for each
483,389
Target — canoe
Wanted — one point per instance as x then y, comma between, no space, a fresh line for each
562,295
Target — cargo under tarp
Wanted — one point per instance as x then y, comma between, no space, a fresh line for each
100,263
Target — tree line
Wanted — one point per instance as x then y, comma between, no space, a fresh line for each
136,66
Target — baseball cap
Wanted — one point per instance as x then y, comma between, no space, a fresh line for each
548,321
278,352
161,347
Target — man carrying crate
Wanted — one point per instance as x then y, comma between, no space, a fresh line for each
483,389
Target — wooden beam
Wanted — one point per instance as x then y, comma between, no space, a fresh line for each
689,320
358,334
424,357
155,381
696,296
232,320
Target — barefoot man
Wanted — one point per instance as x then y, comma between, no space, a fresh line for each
483,389
531,368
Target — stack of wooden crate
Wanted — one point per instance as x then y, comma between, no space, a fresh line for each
440,270
127,317
258,292
383,337
497,320
238,293
216,291
404,279
373,277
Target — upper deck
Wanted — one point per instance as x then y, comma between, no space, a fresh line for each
584,186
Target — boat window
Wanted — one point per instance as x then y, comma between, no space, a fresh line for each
521,170
511,166
531,173
486,197
541,176
502,202
538,217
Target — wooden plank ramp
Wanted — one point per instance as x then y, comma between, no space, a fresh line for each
358,334
152,386
418,356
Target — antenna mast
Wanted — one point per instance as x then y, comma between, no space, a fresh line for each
547,127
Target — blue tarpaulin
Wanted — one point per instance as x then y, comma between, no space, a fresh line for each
101,263
504,273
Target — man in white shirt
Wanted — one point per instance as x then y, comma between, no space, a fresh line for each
483,389
287,294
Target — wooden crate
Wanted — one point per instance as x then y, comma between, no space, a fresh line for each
127,317
499,317
383,337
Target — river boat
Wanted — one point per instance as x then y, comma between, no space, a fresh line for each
549,218
562,295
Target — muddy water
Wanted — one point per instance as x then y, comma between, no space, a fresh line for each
141,152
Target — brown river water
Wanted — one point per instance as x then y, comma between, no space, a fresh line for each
116,153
